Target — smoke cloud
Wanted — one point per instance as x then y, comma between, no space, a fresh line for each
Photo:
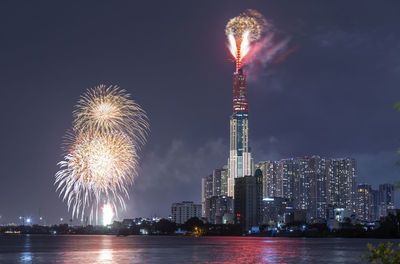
269,50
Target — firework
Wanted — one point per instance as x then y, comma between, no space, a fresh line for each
108,214
101,152
241,31
104,109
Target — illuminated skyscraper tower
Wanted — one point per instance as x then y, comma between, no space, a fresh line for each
240,162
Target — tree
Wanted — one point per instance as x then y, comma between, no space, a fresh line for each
193,222
384,253
164,226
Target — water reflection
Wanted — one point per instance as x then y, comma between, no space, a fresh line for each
158,249
26,256
105,255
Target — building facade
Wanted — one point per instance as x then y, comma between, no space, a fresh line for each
312,183
240,162
215,184
248,201
386,198
206,191
342,184
181,212
364,208
217,207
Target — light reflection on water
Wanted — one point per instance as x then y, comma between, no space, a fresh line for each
105,255
159,249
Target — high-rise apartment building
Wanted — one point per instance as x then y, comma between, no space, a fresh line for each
224,180
364,204
217,207
311,183
272,186
206,191
213,185
342,184
181,212
386,198
318,169
374,205
248,201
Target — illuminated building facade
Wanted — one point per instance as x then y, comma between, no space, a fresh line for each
181,212
215,184
240,162
364,208
272,186
217,207
386,199
206,191
312,183
342,184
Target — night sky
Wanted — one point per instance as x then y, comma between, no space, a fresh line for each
332,96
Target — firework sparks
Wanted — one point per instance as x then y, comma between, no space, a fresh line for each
101,156
241,31
104,109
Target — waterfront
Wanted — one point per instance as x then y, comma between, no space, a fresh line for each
164,249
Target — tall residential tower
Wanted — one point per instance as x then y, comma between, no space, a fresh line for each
240,162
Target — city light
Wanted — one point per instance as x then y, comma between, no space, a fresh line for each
108,214
268,199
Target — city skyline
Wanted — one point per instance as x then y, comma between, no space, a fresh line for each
295,112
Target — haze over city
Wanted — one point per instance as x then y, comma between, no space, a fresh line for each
332,95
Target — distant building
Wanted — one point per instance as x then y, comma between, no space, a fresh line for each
217,207
375,205
312,183
224,180
318,170
295,216
386,198
247,203
272,183
215,184
342,184
206,191
181,212
127,222
364,210
274,209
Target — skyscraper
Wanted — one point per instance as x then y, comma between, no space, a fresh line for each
272,183
312,183
213,185
247,202
217,207
342,186
386,198
364,208
206,191
318,184
240,162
